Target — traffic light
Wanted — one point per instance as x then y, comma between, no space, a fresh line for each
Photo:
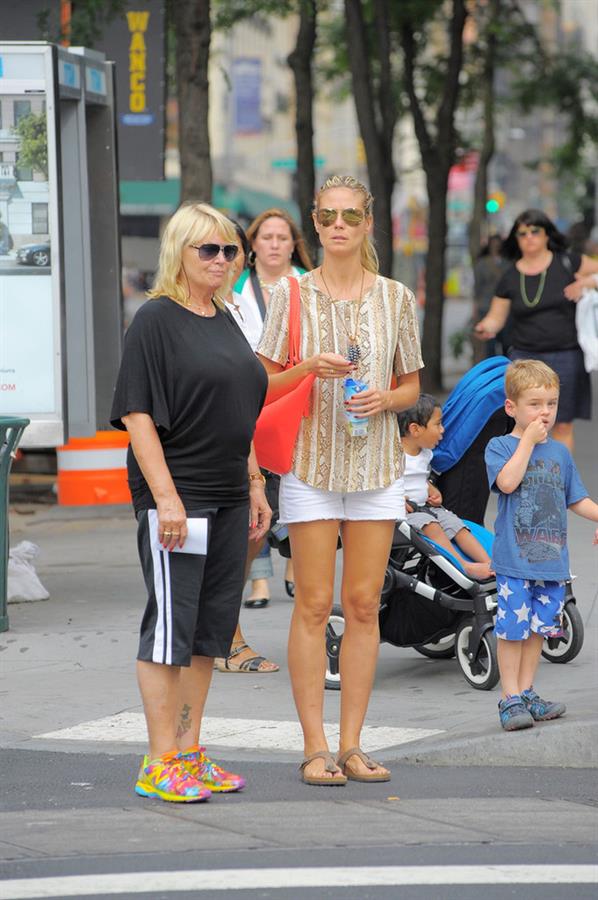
495,202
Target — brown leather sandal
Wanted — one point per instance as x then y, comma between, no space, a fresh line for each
341,761
337,777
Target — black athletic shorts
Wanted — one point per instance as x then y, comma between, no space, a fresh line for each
193,601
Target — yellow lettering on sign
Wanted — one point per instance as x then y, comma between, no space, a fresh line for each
137,62
136,102
137,42
137,22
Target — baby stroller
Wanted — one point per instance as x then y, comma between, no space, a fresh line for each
427,601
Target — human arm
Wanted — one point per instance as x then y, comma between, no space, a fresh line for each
374,400
323,365
586,278
588,509
495,320
260,513
434,495
511,475
150,458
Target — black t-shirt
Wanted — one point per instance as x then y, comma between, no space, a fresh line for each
550,324
204,387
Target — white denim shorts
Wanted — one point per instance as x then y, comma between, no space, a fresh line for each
300,502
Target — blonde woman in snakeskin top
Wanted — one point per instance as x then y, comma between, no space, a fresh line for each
340,483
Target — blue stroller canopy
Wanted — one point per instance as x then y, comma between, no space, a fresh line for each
473,400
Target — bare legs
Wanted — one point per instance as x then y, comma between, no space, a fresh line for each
517,663
466,542
366,547
173,701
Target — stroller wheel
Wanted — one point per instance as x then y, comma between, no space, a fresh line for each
444,648
479,665
334,637
568,647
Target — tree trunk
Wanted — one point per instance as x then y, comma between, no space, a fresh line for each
377,140
438,154
192,27
477,226
300,61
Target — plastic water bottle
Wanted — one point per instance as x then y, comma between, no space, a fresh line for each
356,427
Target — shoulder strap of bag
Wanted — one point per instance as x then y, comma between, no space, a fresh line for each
255,284
294,322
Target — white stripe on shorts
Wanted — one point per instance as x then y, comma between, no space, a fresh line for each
162,651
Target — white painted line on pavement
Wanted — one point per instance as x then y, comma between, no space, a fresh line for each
237,733
263,879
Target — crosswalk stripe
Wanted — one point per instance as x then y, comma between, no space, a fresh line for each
263,879
237,733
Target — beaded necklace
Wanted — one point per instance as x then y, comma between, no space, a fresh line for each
538,296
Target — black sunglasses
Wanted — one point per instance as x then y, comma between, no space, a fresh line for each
211,251
532,229
352,217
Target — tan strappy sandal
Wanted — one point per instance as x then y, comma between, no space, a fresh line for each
341,761
337,777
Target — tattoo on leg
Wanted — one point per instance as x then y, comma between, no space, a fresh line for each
185,723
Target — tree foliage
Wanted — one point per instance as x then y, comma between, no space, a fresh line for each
87,23
33,148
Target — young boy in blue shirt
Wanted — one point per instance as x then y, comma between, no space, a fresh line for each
536,481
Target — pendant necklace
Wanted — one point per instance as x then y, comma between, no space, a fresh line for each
354,350
538,296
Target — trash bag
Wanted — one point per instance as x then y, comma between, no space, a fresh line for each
23,583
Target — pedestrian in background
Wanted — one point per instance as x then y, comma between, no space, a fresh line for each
539,291
354,322
487,271
242,657
276,248
189,392
537,482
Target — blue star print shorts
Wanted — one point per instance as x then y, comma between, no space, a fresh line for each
525,605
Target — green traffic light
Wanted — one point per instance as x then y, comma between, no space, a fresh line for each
492,206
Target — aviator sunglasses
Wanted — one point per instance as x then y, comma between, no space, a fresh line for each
211,251
532,229
350,216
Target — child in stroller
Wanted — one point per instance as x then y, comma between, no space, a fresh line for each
421,430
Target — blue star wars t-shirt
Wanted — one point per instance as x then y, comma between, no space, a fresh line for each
531,526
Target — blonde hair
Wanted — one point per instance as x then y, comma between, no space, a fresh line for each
524,374
369,257
300,255
192,223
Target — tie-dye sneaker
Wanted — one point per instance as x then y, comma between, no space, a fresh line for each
208,773
168,778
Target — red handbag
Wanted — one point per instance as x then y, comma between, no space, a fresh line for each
278,423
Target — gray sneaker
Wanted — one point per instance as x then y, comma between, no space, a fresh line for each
541,710
513,714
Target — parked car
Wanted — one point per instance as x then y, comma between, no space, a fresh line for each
34,254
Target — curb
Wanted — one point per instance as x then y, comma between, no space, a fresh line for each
564,744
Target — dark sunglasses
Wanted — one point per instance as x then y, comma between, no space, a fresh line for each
211,251
327,217
532,229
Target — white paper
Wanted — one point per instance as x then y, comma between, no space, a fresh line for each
197,535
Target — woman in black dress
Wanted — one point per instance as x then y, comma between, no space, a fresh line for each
189,392
539,291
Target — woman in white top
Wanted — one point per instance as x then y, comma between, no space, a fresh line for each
340,482
277,248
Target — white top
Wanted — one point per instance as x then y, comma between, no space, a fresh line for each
246,314
416,475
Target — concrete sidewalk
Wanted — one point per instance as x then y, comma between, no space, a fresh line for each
68,663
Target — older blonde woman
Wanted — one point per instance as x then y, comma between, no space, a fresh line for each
189,392
353,322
